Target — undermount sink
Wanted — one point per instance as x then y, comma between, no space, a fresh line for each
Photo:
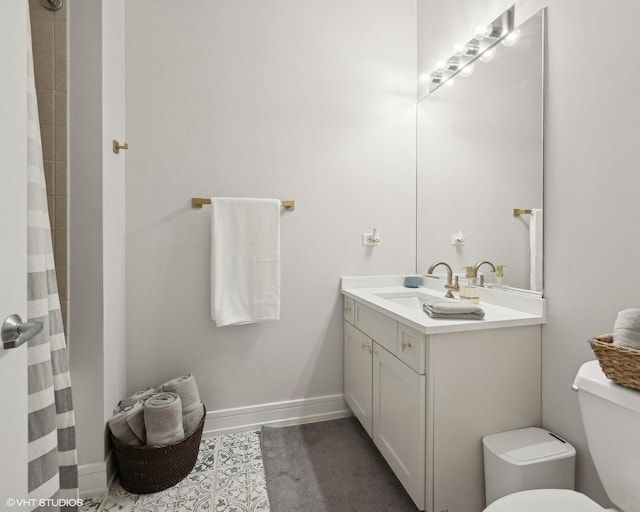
410,299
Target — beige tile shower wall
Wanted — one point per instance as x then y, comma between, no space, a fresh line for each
49,33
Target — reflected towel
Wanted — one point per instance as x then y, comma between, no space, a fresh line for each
453,310
535,244
163,419
245,260
626,330
192,409
120,428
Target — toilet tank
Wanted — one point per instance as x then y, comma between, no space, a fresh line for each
611,418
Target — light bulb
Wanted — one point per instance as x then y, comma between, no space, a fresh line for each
440,64
450,82
488,55
493,31
471,49
512,38
468,70
480,31
458,49
424,77
453,64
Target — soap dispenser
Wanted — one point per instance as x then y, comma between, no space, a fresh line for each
500,277
468,289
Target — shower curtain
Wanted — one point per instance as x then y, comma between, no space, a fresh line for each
53,469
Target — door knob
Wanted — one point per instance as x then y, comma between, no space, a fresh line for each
15,332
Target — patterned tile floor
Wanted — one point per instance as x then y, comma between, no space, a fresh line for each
228,477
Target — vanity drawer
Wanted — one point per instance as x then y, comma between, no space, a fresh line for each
377,326
412,348
349,309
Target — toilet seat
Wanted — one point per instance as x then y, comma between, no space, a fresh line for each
545,500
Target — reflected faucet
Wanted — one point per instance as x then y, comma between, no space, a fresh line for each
477,266
450,286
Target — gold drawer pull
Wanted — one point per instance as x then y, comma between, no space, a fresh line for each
365,345
405,345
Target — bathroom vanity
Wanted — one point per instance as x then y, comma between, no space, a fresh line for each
427,390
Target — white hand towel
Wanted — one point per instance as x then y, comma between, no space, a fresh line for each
245,260
535,243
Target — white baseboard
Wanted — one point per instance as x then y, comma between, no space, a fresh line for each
94,479
277,414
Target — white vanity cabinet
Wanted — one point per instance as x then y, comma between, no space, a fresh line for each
358,349
386,394
427,399
399,420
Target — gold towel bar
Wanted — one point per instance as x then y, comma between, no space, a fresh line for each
517,212
197,202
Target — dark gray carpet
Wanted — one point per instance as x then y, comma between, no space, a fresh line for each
330,466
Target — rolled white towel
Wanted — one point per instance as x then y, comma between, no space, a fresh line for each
120,428
192,409
135,420
626,330
135,397
163,419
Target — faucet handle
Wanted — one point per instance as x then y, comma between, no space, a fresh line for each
455,286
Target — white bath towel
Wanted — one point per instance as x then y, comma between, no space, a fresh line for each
626,330
163,419
245,260
535,244
192,408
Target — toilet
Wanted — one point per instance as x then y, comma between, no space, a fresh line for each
611,418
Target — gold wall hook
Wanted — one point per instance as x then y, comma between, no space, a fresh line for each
117,146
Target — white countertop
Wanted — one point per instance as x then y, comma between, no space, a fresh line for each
502,308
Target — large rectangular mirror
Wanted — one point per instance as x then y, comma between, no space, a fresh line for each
480,156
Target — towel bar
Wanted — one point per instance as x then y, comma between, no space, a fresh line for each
197,202
517,212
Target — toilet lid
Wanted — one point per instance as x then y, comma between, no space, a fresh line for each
545,500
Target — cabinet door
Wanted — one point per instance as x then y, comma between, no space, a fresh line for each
357,374
399,420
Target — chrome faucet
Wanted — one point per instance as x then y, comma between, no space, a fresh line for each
477,266
450,286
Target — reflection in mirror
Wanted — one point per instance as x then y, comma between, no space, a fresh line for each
479,158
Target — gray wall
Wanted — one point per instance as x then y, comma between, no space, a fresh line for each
591,180
311,101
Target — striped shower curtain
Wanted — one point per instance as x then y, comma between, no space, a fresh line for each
53,469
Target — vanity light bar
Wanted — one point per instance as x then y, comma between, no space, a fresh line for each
471,51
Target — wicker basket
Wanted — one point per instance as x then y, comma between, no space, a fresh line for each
620,364
147,469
